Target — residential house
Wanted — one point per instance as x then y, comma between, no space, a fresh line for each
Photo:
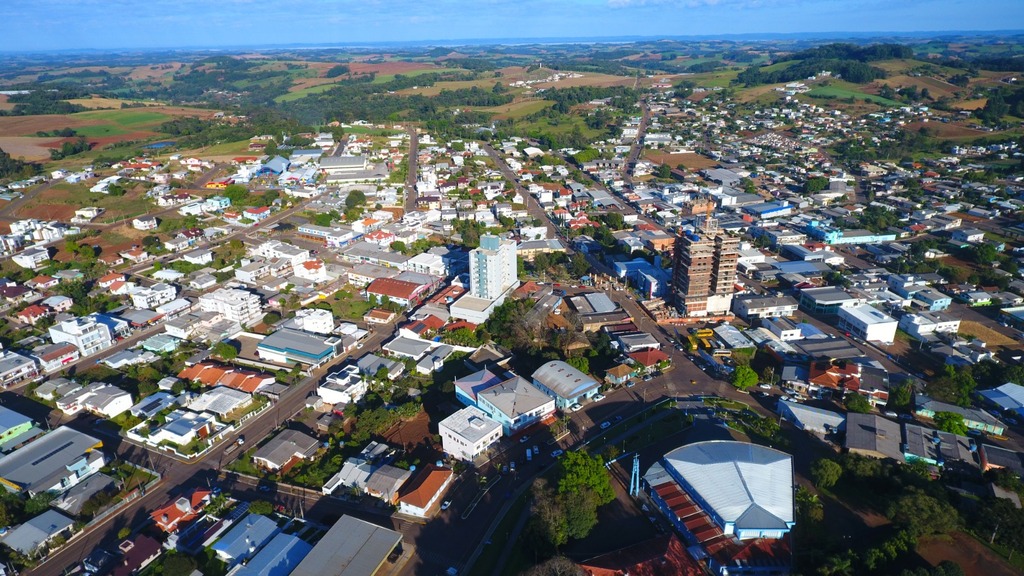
285,450
421,495
175,514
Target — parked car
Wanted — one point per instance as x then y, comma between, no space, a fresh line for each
524,439
557,453
536,450
576,407
765,386
605,425
599,397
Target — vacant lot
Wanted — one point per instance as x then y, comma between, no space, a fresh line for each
985,334
950,130
691,161
27,147
937,88
967,552
4,104
60,201
976,104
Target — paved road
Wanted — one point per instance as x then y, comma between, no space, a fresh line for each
410,178
532,206
637,145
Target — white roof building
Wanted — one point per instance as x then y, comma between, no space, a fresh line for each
221,400
468,432
746,489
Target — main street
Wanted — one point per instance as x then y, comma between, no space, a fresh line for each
533,207
412,175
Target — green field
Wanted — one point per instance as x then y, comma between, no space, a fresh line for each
517,109
119,122
840,92
382,78
305,92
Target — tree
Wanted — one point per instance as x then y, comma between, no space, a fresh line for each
580,471
398,246
921,514
856,403
950,422
237,193
355,199
557,566
580,363
900,396
578,265
826,473
225,350
261,507
744,377
815,184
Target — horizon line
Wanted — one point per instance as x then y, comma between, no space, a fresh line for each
549,40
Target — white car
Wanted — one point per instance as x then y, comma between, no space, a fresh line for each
446,504
599,397
765,386
576,407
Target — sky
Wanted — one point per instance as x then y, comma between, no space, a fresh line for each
33,25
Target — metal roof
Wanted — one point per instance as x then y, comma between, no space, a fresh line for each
871,433
563,380
745,484
34,533
278,557
352,547
41,464
811,418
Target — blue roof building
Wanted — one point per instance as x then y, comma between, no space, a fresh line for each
275,165
278,558
245,538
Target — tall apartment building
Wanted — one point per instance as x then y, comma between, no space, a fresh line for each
234,304
492,267
704,269
85,333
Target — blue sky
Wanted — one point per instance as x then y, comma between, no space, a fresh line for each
101,24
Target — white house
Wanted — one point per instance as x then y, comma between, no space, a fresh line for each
99,398
343,387
468,433
153,296
31,258
145,223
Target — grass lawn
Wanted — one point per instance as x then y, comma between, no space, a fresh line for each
349,304
240,147
565,126
841,92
